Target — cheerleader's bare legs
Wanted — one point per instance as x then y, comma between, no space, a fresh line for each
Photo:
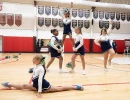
71,39
106,54
105,59
112,54
51,89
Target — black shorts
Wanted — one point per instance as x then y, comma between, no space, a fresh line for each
45,85
67,32
105,46
54,53
80,51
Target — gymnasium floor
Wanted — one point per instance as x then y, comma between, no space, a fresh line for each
98,84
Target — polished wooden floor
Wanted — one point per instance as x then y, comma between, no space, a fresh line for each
98,84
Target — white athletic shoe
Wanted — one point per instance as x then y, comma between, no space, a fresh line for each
105,69
84,72
71,71
62,71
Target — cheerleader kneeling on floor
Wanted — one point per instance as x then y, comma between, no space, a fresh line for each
39,83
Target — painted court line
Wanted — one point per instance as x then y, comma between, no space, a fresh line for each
102,67
1,59
101,84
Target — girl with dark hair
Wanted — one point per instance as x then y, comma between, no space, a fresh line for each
104,42
55,50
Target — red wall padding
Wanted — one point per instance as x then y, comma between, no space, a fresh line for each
68,45
18,44
96,48
120,45
87,45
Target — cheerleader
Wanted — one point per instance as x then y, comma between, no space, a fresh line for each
39,83
67,27
78,50
104,42
55,50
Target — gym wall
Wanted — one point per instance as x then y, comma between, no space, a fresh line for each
20,38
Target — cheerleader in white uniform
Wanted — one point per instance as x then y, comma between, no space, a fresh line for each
78,50
40,84
104,42
67,27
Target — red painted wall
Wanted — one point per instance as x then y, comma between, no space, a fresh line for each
96,48
120,45
18,44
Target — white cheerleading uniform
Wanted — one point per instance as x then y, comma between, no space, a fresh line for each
79,44
38,78
104,41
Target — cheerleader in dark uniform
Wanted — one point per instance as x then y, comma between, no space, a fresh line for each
67,27
104,42
39,83
55,50
78,50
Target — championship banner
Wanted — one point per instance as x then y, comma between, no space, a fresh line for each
117,16
18,19
117,25
80,13
2,19
112,15
54,11
128,17
106,24
122,16
10,19
106,15
54,22
80,23
60,23
87,13
40,21
101,24
95,14
41,10
0,6
101,14
48,22
47,10
61,11
74,12
74,23
86,24
113,25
